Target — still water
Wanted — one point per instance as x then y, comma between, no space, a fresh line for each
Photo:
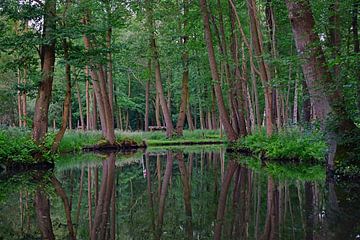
187,193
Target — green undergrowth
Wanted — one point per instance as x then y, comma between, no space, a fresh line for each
285,171
289,144
17,147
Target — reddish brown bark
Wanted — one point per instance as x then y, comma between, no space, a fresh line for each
225,120
67,101
47,72
156,62
100,87
265,76
325,93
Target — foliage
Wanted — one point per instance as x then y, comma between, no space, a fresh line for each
17,146
289,144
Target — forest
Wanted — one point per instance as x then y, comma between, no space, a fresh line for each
278,80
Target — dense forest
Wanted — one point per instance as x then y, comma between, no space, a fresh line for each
231,65
102,103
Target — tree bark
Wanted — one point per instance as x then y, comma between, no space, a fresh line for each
100,86
230,132
325,93
67,100
147,97
265,75
47,73
185,78
156,62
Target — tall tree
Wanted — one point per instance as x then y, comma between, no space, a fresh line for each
225,120
47,56
156,62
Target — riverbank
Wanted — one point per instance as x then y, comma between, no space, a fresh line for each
288,145
17,146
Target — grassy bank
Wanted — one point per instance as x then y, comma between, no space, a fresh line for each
286,145
77,140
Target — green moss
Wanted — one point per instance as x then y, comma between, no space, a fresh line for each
289,144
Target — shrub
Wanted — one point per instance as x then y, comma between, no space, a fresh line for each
287,144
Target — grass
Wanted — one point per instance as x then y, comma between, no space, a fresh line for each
75,140
289,144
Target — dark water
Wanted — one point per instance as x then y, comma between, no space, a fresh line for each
198,193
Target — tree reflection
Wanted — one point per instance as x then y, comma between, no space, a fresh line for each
102,208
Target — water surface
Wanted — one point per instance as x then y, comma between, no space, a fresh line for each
187,193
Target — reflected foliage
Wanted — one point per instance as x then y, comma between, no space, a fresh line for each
175,194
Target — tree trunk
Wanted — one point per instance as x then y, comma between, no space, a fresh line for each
265,76
79,103
230,132
185,79
157,110
324,91
87,99
156,62
110,66
100,86
19,100
47,72
147,96
67,100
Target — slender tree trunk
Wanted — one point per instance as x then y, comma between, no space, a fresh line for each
156,62
47,72
100,86
230,132
295,112
19,100
94,115
241,80
110,65
87,99
185,79
67,100
265,76
147,97
79,103
157,110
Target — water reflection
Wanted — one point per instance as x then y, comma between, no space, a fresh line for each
178,195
